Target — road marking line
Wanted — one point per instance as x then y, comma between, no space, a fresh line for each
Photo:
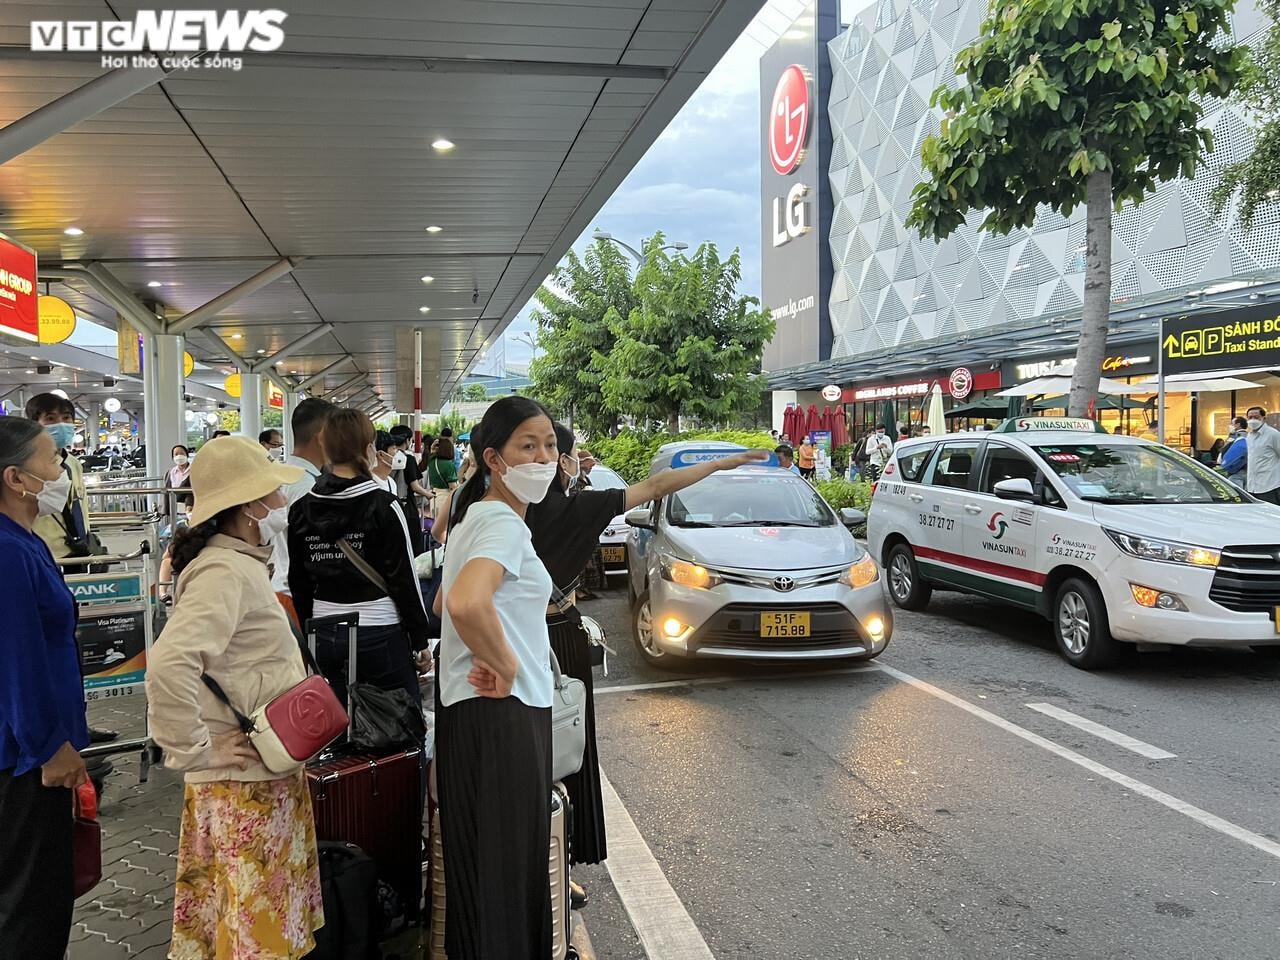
664,926
1203,817
1102,732
705,681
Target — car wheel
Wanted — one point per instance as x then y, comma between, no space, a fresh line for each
1081,627
642,631
908,589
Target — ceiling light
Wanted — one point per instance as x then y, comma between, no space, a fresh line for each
434,229
237,336
261,352
428,279
154,283
424,309
73,232
442,145
30,371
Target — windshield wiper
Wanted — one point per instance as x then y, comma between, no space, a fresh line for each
687,524
765,523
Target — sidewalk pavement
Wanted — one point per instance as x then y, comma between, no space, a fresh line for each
130,913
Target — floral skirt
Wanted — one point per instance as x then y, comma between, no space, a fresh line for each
248,883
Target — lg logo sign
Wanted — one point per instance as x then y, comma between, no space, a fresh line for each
787,135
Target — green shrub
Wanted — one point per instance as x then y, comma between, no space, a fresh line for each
840,493
630,453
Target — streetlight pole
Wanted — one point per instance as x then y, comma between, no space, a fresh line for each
679,246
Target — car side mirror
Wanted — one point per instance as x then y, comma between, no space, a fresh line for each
641,518
1016,488
851,517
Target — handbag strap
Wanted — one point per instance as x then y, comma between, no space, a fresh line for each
562,600
362,565
247,725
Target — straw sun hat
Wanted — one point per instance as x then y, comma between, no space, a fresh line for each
230,471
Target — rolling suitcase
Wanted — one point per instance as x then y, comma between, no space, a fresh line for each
558,874
372,800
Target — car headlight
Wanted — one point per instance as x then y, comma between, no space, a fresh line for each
1166,551
688,574
861,572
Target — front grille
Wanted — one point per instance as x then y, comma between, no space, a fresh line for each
800,581
1248,579
738,626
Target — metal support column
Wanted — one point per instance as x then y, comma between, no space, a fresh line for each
251,404
417,392
290,405
91,426
164,408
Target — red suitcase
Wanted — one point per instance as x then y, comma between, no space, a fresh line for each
373,801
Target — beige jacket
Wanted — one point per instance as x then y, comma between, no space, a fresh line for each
228,623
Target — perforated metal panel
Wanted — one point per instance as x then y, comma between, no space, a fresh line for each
880,116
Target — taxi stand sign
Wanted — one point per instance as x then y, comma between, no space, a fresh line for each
691,457
1033,424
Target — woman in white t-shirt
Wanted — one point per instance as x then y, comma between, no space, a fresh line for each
493,734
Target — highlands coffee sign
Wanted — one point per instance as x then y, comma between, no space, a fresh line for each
795,143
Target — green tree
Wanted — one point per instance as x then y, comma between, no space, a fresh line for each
475,393
691,345
1257,177
578,309
1064,102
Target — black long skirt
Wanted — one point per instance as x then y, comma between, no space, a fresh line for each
569,641
36,880
493,769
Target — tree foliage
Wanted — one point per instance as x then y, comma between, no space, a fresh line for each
1063,102
1257,177
691,345
578,307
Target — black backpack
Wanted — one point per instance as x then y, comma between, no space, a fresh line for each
352,914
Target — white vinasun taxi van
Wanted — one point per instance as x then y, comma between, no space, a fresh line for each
1112,538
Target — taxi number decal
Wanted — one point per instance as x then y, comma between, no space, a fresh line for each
942,523
898,489
1070,553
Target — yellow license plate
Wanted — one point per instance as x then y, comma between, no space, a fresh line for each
784,625
613,554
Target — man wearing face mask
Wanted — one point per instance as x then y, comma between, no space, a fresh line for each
65,530
1235,455
1263,442
878,449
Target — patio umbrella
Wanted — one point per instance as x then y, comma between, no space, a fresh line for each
889,417
1103,403
935,420
840,428
1201,385
991,409
813,422
1054,385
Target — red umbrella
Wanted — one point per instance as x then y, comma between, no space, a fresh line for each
814,421
828,423
839,432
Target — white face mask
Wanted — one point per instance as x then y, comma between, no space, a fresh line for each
1255,424
399,461
180,459
274,523
529,482
371,458
52,497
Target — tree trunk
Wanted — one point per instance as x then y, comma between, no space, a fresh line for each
1092,347
673,422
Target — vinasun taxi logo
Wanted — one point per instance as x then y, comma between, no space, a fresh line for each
169,39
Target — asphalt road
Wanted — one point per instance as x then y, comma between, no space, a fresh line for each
930,812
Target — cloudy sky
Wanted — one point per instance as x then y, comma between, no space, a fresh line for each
701,179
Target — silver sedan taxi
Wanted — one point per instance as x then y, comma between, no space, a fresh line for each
750,563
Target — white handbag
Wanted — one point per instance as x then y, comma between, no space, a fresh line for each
568,723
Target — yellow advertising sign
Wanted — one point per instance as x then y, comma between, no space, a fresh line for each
57,319
129,347
188,363
232,385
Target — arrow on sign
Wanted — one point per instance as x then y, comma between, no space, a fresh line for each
1172,346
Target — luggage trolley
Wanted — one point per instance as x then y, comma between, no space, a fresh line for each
114,633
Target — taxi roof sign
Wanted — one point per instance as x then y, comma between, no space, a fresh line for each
689,454
1065,424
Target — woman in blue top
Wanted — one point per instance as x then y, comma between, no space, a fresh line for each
493,734
42,719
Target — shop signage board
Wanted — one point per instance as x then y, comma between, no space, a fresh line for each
822,439
1110,365
960,382
1219,342
795,193
19,299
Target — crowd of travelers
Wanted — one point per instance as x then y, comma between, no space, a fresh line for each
335,529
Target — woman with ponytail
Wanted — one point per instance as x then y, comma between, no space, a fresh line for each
493,734
248,880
